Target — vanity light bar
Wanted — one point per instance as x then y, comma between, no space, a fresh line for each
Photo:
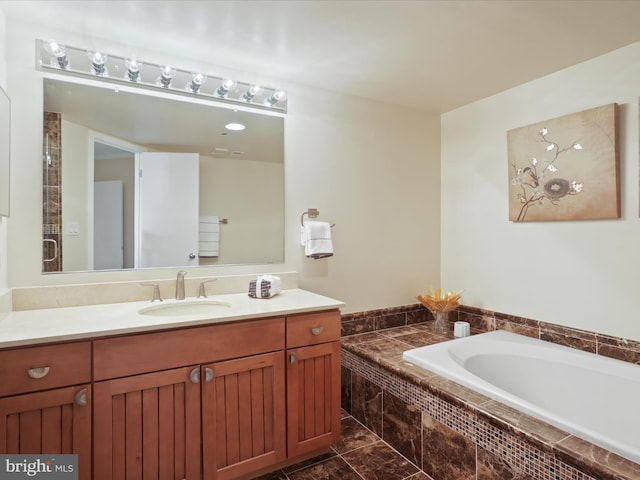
82,63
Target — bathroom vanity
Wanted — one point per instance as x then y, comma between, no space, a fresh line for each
255,386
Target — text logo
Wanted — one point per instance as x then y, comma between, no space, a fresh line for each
50,467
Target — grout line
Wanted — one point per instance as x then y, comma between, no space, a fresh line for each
351,466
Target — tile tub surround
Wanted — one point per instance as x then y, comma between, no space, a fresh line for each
452,432
486,321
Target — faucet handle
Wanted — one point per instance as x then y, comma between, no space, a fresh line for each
156,291
202,293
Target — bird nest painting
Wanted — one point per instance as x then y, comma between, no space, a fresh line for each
566,168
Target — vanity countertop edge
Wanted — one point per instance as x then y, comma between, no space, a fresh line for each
33,327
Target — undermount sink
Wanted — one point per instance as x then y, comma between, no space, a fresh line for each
183,308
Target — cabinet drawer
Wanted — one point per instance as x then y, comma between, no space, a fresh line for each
150,352
41,368
313,328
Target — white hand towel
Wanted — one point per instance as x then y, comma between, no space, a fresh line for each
265,286
209,236
318,242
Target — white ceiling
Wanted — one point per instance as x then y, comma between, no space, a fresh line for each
432,55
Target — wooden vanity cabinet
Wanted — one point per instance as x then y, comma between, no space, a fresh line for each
220,387
218,402
243,415
313,382
148,426
45,404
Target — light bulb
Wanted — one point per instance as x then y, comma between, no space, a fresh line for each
276,97
252,92
98,63
197,80
133,70
164,80
59,54
224,87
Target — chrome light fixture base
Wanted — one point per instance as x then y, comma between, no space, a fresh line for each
80,62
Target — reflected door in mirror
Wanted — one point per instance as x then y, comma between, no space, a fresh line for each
168,202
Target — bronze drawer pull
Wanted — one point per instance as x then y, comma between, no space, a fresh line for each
317,330
39,372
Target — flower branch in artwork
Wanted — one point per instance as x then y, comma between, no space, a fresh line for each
535,185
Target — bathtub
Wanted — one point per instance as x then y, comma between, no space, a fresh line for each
593,397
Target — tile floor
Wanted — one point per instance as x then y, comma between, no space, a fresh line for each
360,455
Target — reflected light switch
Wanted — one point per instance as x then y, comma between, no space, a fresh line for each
73,228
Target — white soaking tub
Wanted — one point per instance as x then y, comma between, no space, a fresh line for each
593,397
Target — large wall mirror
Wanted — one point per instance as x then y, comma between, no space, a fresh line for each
143,180
5,141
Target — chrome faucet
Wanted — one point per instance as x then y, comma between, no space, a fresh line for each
202,293
180,285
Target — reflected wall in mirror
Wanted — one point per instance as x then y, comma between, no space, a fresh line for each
116,178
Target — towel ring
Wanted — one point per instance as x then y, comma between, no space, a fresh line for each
311,213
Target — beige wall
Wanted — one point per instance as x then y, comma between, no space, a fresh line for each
75,183
370,168
584,274
249,194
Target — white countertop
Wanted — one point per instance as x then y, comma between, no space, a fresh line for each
30,327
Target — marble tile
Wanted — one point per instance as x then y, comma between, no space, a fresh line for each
420,476
381,348
596,460
361,338
477,319
401,427
619,353
568,337
360,325
307,463
490,467
354,436
446,454
521,424
420,339
380,462
402,330
390,321
366,403
519,328
618,342
418,315
345,388
277,475
334,468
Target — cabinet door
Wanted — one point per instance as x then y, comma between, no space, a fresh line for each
243,415
148,426
313,397
56,422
